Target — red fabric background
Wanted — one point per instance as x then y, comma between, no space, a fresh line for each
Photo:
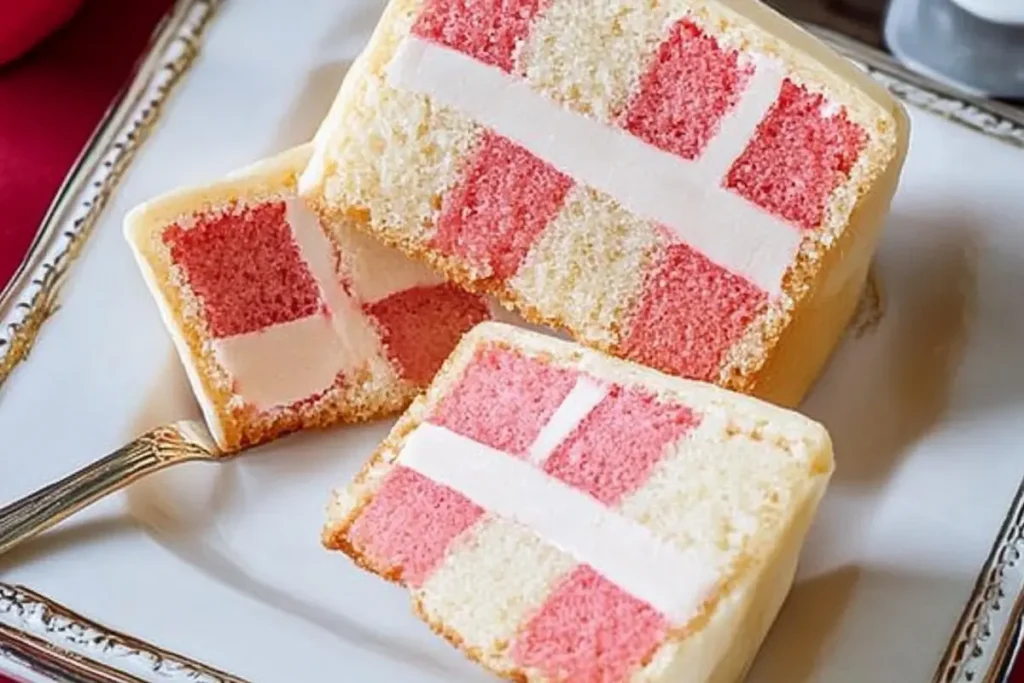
50,102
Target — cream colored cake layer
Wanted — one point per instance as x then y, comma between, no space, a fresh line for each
592,258
565,56
489,584
684,195
721,484
740,490
584,78
724,649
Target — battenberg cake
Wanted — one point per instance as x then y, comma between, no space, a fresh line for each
562,515
279,326
696,185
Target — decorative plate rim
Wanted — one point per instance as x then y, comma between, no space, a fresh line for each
31,296
51,640
41,636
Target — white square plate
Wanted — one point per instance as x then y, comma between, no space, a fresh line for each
222,563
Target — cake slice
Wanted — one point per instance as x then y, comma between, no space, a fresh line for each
280,327
561,515
696,185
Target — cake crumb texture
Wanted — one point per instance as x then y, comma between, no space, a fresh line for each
489,30
689,86
506,198
798,157
589,630
595,255
690,313
245,266
421,325
409,525
504,400
613,451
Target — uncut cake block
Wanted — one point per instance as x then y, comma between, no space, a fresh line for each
694,185
561,515
279,326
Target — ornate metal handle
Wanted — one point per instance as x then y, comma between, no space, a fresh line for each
151,452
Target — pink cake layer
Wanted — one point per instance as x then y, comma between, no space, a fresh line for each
420,326
245,266
505,200
247,270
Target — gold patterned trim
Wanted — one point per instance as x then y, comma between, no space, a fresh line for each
32,295
44,638
987,637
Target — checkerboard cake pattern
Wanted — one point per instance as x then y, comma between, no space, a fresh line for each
685,184
281,327
564,516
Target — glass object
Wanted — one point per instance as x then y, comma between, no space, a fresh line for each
975,45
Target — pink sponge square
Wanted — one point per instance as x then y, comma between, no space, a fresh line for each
503,400
489,30
613,451
245,267
797,157
407,528
691,85
421,325
690,313
506,198
589,631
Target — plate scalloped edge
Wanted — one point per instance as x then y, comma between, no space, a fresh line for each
42,637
